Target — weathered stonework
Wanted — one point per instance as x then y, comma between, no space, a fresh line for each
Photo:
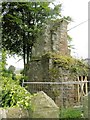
44,106
42,68
13,113
45,70
52,39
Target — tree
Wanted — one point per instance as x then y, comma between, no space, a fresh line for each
21,24
11,68
3,60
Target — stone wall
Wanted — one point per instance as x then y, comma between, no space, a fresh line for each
53,39
45,70
13,112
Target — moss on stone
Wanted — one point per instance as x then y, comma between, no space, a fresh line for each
75,66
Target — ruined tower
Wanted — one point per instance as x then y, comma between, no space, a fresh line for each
52,39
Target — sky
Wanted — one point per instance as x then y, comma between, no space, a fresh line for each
78,11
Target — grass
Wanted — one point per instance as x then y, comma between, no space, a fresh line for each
70,113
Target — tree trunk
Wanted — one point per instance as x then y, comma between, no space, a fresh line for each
24,58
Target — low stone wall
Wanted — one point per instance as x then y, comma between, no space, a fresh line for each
2,113
13,113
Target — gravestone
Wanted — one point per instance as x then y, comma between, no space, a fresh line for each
44,106
86,106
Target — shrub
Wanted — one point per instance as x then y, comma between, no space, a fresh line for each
14,95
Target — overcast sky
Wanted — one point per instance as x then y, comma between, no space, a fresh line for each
78,11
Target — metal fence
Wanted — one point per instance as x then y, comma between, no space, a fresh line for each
65,93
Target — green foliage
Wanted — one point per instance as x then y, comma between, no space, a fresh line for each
20,78
70,113
75,66
21,24
69,40
11,93
3,60
68,18
7,73
11,68
14,95
54,72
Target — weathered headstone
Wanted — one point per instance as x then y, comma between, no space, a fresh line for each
86,109
44,106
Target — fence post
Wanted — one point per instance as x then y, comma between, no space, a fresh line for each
86,88
23,83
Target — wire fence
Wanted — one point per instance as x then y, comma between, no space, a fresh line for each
73,89
65,94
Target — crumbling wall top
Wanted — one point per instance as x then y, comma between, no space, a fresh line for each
52,39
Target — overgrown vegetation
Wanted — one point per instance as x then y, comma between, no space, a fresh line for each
11,93
75,66
70,113
14,95
22,23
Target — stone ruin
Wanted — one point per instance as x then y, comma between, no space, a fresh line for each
53,39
